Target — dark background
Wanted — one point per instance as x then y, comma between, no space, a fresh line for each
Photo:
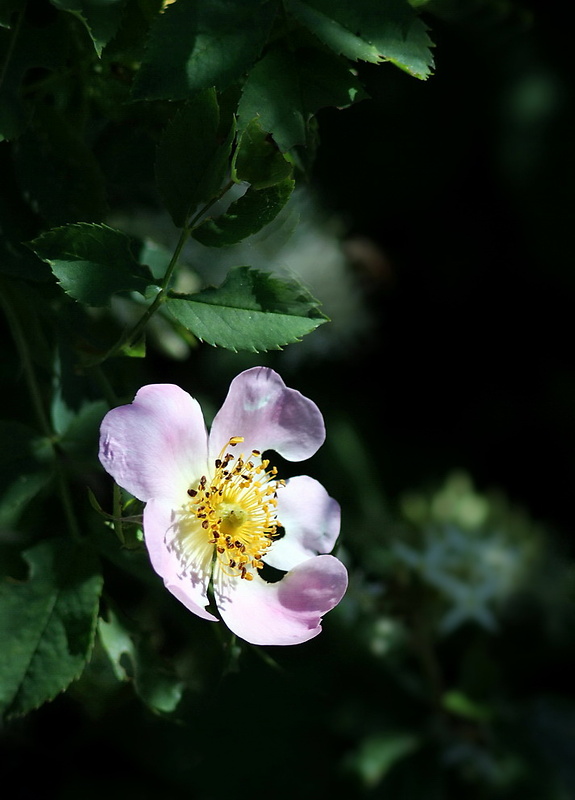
465,182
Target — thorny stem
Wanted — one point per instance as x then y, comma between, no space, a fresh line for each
132,335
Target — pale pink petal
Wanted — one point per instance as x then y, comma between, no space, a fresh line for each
286,612
185,578
311,520
157,445
269,416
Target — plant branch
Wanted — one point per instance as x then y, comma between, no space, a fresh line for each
133,333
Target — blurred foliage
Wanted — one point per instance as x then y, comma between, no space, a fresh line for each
177,175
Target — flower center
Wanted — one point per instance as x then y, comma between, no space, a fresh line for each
237,510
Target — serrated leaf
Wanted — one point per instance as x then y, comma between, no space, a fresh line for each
252,212
194,45
92,262
257,159
369,31
251,310
192,159
24,469
133,659
47,625
286,88
101,18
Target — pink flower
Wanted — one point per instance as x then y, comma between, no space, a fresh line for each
216,512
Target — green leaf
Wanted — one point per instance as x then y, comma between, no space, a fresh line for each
92,262
369,31
253,211
24,469
286,88
132,658
251,310
460,704
193,156
47,625
194,45
378,753
258,160
101,17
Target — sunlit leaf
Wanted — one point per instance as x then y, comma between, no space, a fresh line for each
251,310
369,31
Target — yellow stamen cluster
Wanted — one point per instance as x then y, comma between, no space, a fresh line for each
237,510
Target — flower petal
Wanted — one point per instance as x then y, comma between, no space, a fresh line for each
311,519
188,581
157,445
286,612
269,416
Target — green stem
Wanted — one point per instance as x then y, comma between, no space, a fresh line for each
117,510
133,333
66,500
41,415
26,361
192,225
105,386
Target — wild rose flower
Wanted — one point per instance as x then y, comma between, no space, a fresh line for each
216,512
